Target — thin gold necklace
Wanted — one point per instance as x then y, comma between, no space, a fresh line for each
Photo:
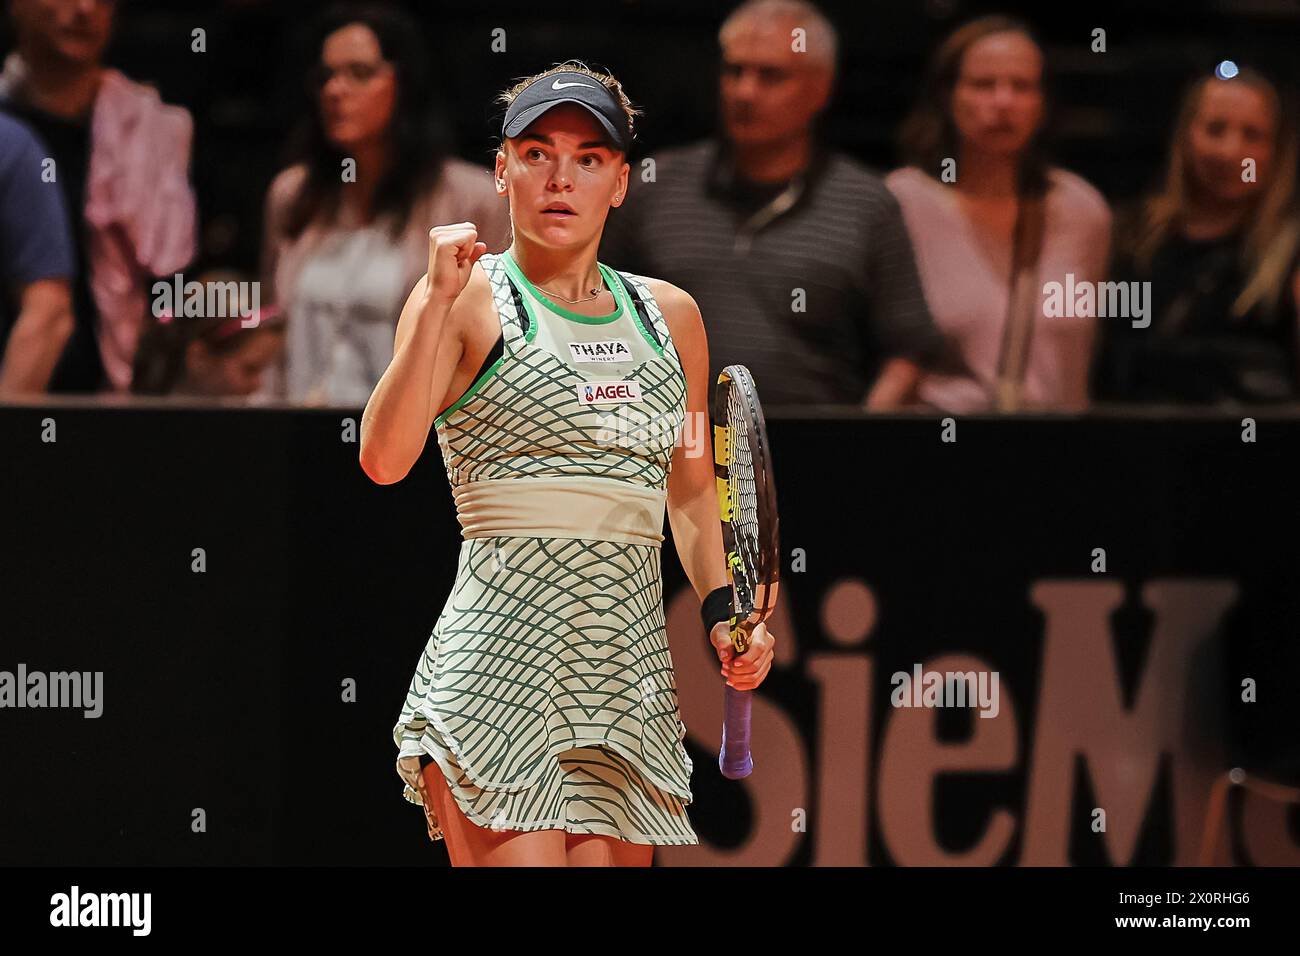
594,293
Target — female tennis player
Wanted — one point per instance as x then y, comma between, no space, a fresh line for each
541,727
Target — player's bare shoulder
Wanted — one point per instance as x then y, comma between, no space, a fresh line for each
680,312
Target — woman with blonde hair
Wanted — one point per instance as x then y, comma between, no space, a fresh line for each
1220,245
541,726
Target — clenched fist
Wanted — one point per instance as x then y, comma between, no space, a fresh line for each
453,250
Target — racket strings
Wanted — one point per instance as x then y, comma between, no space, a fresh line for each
743,456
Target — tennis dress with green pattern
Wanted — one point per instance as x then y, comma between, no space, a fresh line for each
546,693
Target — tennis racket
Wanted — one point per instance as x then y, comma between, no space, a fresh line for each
742,467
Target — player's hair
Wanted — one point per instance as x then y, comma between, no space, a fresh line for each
1272,235
606,79
928,135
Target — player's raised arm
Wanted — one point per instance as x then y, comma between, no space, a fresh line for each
427,349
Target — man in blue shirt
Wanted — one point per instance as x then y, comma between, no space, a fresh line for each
36,264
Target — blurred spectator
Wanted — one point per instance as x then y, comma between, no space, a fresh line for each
36,263
1220,245
347,227
122,158
993,223
796,254
213,355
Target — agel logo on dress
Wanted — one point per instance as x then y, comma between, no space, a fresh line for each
590,393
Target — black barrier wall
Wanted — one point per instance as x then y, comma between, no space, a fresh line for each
256,606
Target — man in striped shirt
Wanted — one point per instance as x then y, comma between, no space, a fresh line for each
796,255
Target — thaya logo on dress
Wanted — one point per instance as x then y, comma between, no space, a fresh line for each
589,393
609,350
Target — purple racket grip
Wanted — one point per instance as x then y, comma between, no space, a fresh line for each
734,760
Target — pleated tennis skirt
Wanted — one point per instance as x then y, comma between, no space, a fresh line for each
587,790
546,693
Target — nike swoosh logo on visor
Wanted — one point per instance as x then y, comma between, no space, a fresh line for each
557,85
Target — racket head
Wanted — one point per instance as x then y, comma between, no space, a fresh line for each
747,499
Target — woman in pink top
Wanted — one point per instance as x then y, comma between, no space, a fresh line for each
347,227
975,173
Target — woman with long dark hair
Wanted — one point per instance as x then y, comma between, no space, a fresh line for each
541,726
993,222
346,224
